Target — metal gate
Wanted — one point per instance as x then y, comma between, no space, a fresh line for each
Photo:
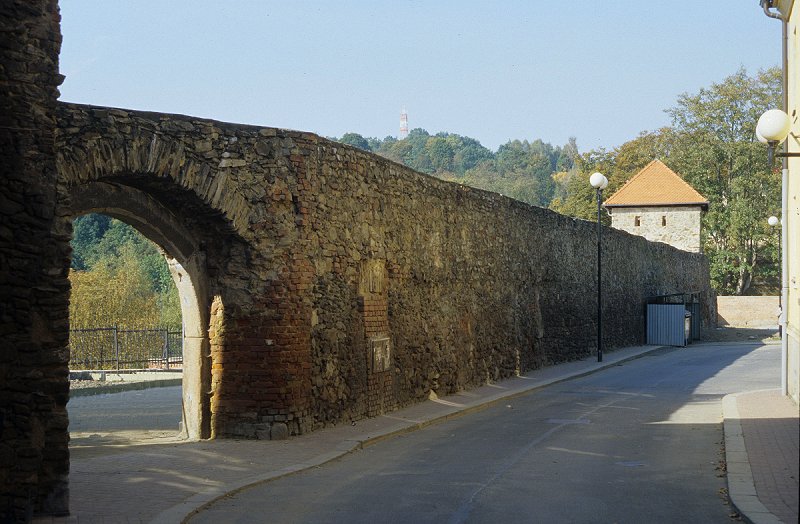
666,324
673,320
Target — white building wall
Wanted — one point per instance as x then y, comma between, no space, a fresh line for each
792,219
676,226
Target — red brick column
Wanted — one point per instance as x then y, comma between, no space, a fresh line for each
261,360
374,307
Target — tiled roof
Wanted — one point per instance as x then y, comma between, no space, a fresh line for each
656,185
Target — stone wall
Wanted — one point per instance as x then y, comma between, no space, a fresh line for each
467,286
677,226
342,285
751,312
34,254
328,284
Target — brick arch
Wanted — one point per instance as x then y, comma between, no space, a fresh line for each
151,173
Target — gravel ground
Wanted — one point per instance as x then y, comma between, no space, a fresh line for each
739,334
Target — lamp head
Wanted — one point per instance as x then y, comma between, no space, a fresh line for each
773,126
598,181
773,221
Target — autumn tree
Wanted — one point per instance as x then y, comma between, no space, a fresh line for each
119,277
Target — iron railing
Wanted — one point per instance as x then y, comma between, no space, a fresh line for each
121,348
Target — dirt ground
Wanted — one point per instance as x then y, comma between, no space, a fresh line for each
740,334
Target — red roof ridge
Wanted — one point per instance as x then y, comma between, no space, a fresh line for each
656,185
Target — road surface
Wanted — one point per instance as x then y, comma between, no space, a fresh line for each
125,418
639,442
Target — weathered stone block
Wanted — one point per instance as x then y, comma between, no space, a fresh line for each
279,431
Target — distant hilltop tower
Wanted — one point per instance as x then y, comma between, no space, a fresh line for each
403,124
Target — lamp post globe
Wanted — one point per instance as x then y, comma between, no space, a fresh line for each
598,181
773,126
773,221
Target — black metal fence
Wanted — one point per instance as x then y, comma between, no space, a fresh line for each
121,348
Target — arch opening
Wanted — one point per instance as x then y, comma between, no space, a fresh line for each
182,249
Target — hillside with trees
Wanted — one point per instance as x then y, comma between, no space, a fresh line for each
711,143
519,169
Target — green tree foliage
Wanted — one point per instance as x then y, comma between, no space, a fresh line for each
119,277
355,140
717,152
581,200
87,231
519,169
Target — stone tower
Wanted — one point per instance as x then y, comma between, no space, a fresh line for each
660,206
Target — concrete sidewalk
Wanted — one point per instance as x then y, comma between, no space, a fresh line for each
83,383
165,482
762,433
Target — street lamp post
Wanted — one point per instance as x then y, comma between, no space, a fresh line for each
599,182
774,221
772,128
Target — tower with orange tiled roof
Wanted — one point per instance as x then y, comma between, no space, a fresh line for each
660,206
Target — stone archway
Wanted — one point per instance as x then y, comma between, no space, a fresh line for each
186,261
229,203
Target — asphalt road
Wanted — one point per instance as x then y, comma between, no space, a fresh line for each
124,418
639,442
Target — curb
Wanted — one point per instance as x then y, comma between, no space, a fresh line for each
183,511
741,487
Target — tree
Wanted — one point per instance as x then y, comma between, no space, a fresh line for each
567,155
577,198
87,231
109,294
717,152
108,257
581,199
355,140
440,151
469,154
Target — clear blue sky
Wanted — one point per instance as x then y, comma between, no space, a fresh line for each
599,70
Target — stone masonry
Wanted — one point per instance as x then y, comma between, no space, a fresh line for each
677,226
34,257
341,285
320,283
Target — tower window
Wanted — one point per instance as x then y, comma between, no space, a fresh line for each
637,221
663,220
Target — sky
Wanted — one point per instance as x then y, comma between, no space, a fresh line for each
599,70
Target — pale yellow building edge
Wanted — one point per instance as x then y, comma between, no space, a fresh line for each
792,219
